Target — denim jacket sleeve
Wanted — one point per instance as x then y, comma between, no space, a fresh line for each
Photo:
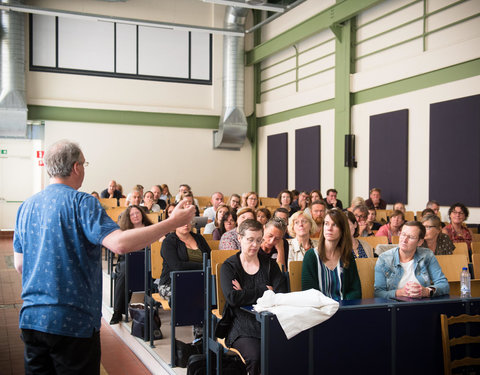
436,277
384,275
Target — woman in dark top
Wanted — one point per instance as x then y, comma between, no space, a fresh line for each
133,217
245,276
227,223
181,250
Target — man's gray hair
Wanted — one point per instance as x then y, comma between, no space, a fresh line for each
60,158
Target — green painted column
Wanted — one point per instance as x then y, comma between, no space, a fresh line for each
252,120
343,69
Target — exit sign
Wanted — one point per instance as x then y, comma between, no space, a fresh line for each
3,152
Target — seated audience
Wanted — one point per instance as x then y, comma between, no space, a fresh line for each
399,206
282,213
434,206
317,210
132,217
263,215
138,190
181,250
221,211
251,200
393,227
135,197
331,267
149,204
120,189
216,201
361,214
191,201
409,270
331,199
357,201
301,203
157,197
111,191
95,194
300,227
229,240
168,211
360,248
295,194
376,200
371,220
245,276
457,229
435,240
285,199
227,223
234,202
166,195
183,189
274,245
314,196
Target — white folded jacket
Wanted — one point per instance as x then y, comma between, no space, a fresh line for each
297,311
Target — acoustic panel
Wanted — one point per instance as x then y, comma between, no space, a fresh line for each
454,151
389,155
277,163
307,158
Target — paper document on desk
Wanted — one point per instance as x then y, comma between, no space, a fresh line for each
297,311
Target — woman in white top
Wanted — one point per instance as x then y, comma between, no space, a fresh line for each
221,211
300,226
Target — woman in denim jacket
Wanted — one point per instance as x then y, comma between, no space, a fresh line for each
409,270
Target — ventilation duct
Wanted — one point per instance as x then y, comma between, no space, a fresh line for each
232,129
13,109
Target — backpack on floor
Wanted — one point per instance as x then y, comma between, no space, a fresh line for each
231,364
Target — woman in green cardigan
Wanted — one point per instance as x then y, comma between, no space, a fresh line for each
331,267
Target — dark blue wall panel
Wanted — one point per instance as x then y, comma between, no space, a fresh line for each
307,158
389,155
277,163
455,151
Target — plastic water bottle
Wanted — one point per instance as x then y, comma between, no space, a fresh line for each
465,283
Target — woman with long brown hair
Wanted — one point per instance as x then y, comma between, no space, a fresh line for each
331,267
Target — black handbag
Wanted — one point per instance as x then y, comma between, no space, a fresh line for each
137,313
183,351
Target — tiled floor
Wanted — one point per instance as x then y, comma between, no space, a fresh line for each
117,358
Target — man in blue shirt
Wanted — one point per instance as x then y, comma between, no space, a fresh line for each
57,249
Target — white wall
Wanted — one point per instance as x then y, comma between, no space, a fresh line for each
418,105
151,155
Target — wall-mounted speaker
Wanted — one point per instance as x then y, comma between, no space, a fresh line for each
350,151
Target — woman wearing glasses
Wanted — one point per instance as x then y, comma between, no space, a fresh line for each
245,276
457,229
435,240
409,270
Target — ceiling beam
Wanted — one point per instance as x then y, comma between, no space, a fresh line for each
103,18
327,18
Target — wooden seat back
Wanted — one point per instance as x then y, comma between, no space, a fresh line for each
218,257
214,244
476,247
373,241
114,213
461,248
366,272
452,265
295,275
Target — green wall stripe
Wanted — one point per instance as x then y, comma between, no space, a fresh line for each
337,13
450,74
296,112
36,112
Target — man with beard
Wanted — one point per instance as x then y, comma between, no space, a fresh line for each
318,210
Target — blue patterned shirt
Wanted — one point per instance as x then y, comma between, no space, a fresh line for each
59,231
